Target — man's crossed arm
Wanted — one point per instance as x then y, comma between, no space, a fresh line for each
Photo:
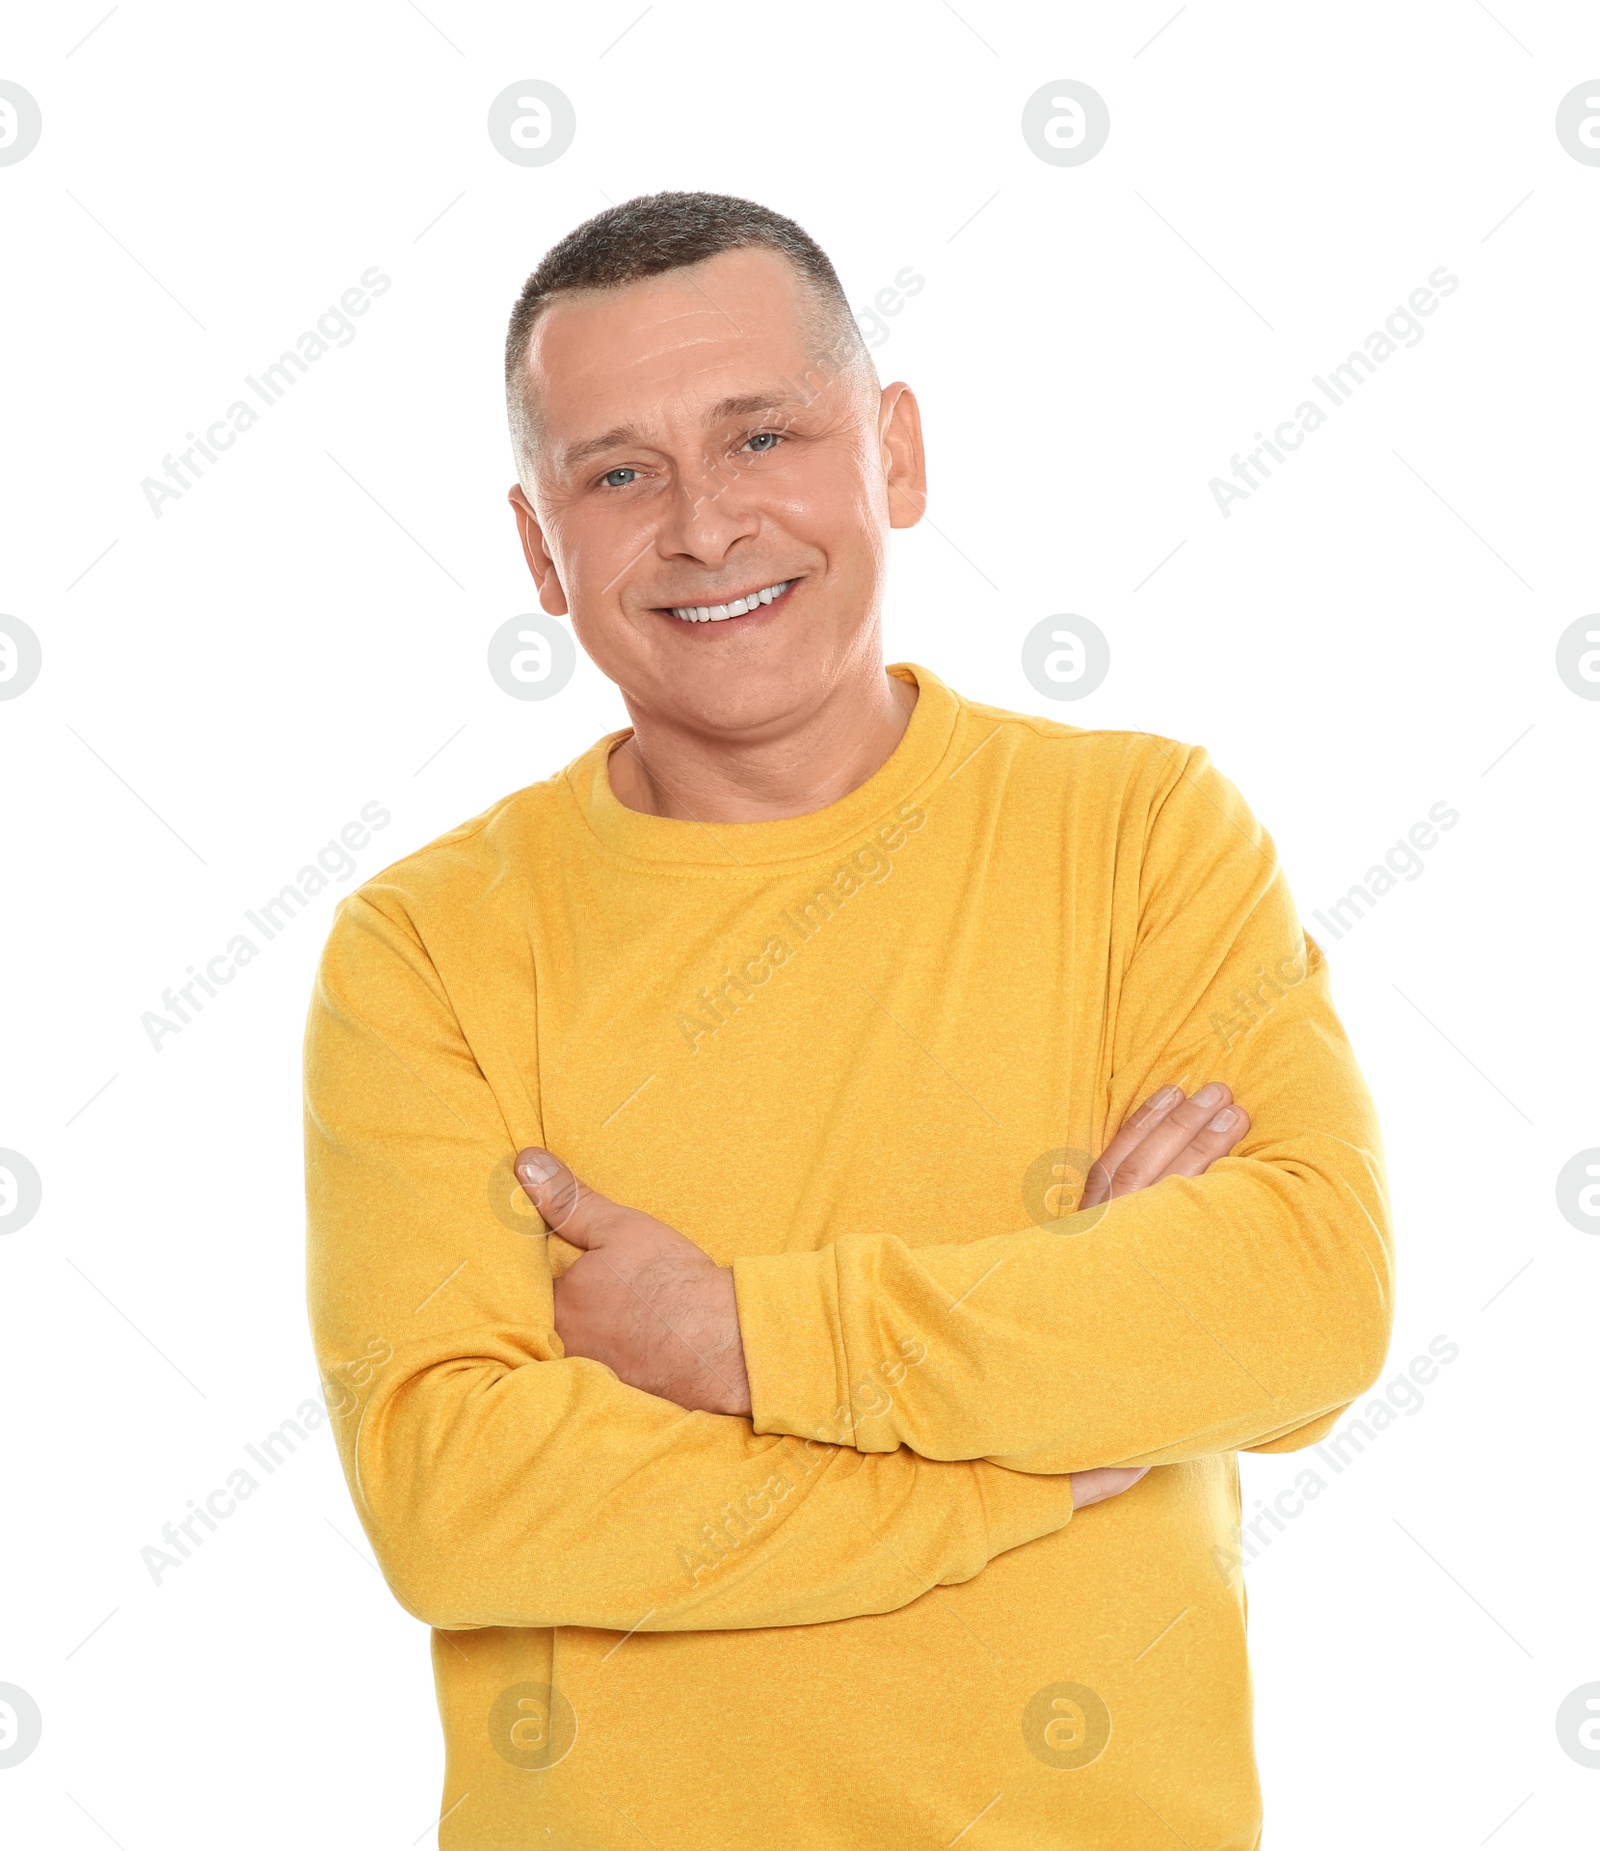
505,1481
1238,1306
663,1316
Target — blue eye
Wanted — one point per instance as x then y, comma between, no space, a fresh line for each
610,473
766,439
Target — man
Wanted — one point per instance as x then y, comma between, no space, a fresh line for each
855,1466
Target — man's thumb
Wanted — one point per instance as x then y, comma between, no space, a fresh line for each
567,1206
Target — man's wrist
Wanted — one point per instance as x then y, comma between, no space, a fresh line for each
728,1366
788,1317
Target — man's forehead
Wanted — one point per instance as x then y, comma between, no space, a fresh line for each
736,294
733,336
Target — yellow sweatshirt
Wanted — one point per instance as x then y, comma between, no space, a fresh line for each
863,1056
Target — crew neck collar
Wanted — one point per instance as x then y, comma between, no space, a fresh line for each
730,849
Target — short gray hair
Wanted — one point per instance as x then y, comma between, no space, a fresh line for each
658,232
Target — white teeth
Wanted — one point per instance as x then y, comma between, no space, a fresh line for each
717,613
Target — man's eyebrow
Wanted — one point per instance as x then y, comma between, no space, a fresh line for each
574,454
752,405
744,405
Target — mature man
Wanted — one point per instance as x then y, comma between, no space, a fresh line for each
743,1505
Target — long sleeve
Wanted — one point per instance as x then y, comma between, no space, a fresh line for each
1240,1309
502,1483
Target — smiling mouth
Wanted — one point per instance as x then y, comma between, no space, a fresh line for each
735,607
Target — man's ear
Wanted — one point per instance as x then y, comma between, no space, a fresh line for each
551,597
904,466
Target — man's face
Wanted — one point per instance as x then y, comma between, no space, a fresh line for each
695,451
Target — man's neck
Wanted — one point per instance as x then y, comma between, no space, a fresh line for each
669,770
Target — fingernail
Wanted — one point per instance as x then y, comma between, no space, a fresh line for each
1223,1119
536,1166
1165,1097
1208,1095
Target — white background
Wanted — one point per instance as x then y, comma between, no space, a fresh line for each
1370,633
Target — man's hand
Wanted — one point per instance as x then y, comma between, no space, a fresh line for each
640,1298
662,1315
1167,1136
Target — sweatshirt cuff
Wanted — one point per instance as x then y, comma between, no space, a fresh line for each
794,1354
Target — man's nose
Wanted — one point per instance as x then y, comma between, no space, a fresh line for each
711,510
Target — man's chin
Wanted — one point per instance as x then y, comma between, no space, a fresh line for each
743,690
